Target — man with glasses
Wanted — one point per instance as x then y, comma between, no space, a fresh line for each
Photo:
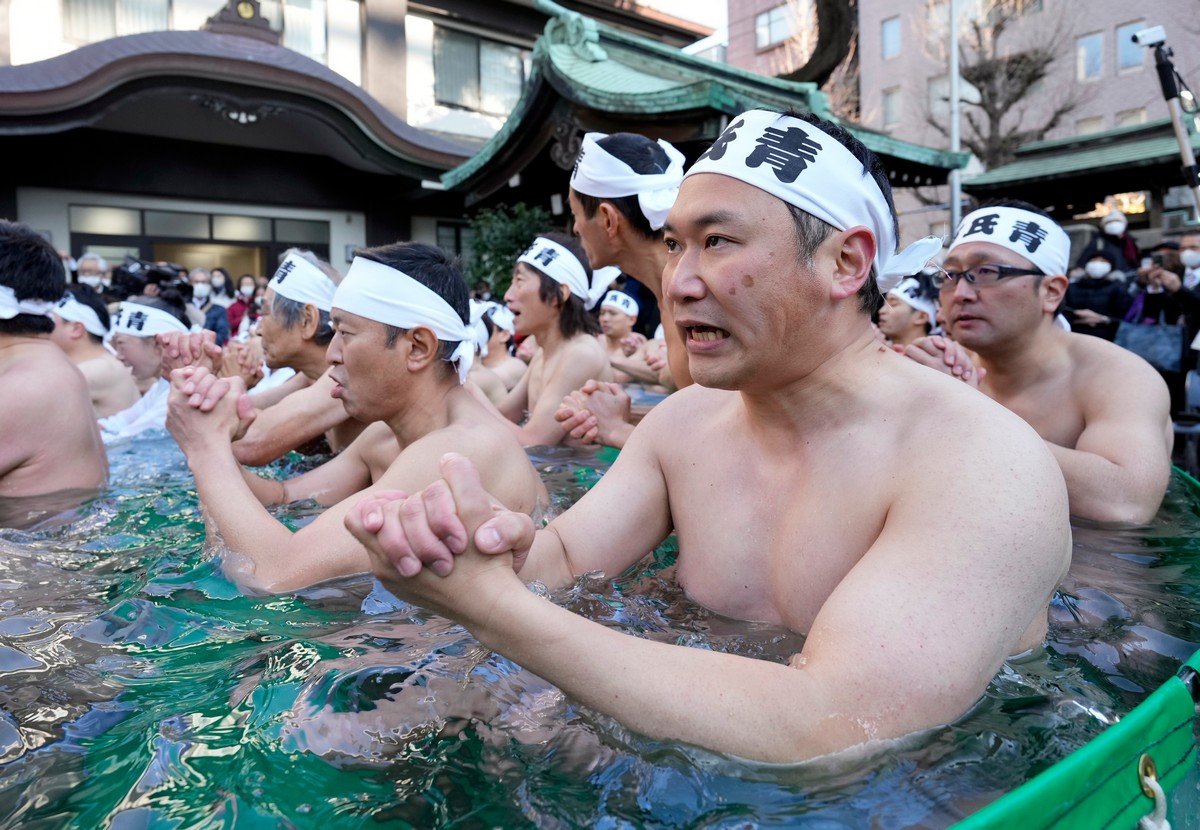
1103,411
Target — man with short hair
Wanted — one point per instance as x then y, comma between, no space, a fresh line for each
92,270
625,348
622,187
51,447
295,328
909,311
81,323
400,352
551,292
802,475
1102,411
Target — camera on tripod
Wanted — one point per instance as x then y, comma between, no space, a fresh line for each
1153,36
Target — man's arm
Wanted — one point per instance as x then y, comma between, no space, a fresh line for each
635,366
297,419
1121,463
270,397
343,476
892,651
266,555
572,371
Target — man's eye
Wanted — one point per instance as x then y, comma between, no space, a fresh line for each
987,273
672,245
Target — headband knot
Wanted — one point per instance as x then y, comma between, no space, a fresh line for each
600,174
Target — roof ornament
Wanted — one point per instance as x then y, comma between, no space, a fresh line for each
574,29
244,18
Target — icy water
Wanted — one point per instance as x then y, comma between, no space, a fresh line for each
140,689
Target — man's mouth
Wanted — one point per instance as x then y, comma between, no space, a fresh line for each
706,333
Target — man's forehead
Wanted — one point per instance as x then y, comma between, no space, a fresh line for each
340,317
1189,240
977,253
739,203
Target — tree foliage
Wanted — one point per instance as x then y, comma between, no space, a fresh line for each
997,112
498,236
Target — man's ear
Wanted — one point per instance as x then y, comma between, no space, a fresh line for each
1053,289
853,253
610,219
423,349
310,321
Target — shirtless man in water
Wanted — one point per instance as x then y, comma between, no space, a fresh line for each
51,446
803,476
1103,411
400,353
80,324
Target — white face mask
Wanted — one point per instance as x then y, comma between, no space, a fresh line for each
200,291
1190,258
1114,228
1098,269
90,280
218,283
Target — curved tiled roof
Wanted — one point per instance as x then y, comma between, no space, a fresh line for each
78,88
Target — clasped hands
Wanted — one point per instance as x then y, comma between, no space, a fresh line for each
450,548
203,408
944,354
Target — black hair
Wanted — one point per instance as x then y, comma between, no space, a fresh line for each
31,267
811,231
96,303
433,268
573,315
643,157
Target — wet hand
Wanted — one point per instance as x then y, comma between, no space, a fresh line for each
181,349
203,409
632,342
945,355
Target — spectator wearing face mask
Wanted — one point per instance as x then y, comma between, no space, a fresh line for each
1114,238
1098,299
92,271
242,311
215,317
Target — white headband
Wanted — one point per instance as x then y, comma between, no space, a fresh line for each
388,295
502,317
598,173
1031,235
479,328
562,266
621,302
909,290
71,309
144,321
806,167
299,280
10,306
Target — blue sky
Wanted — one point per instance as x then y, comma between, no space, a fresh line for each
708,12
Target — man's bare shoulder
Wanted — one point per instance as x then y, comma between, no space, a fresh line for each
1097,360
39,370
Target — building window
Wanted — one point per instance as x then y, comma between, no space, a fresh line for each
1085,126
891,106
1131,118
1129,54
87,21
473,73
889,32
773,26
1089,57
456,237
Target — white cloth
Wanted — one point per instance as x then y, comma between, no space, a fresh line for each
479,328
1030,235
502,317
387,295
299,280
272,378
71,309
909,290
150,412
562,266
10,306
810,169
598,173
1191,278
144,321
621,302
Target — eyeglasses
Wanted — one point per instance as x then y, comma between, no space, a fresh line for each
980,275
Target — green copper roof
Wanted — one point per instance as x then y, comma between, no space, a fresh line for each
610,71
1094,153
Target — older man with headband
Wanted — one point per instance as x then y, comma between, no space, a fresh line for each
1103,412
796,475
400,353
551,292
51,457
